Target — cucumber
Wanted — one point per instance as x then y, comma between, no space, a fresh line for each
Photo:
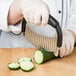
26,66
41,56
13,66
24,59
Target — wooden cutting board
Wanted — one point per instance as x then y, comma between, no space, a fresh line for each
58,67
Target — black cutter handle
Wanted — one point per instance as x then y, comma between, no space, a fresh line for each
23,25
55,24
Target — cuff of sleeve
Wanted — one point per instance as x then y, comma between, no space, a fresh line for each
16,29
4,8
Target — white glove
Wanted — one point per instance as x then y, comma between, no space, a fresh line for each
33,10
67,45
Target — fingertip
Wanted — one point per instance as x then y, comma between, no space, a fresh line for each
61,56
61,53
37,23
45,17
56,53
37,18
44,23
28,21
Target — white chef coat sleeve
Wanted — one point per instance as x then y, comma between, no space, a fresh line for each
71,24
4,9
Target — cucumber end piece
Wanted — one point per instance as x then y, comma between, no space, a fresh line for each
38,57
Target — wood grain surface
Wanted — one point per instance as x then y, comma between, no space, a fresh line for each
57,67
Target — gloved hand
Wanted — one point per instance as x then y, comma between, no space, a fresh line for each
67,45
35,11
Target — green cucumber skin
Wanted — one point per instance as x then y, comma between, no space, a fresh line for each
47,55
13,68
27,70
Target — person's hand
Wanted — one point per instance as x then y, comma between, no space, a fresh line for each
67,45
35,11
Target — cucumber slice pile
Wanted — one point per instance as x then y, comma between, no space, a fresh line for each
13,66
26,66
41,56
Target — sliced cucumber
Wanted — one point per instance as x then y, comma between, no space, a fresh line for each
41,56
26,66
13,66
24,59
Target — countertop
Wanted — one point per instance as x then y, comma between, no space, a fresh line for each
58,67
